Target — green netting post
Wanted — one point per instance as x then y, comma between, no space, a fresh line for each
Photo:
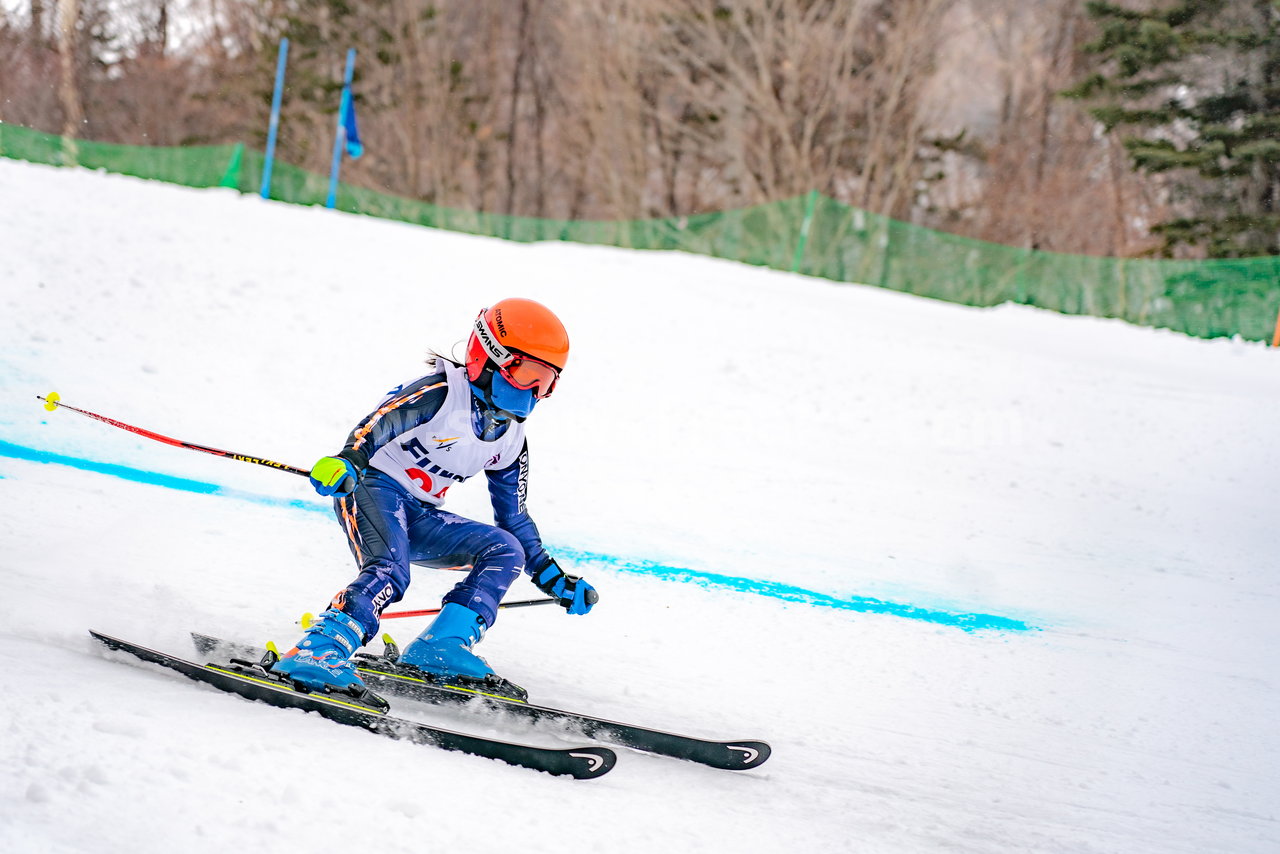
231,178
70,151
810,203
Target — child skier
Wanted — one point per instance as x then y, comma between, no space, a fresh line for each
390,479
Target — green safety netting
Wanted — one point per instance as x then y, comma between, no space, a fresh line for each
810,234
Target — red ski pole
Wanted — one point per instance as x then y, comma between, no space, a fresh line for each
52,402
523,603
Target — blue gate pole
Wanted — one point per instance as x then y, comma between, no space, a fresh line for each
340,139
275,119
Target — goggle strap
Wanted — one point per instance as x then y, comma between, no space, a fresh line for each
501,355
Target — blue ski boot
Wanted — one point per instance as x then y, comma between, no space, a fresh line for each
322,659
443,651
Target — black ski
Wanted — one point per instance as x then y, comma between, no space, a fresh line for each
580,762
381,674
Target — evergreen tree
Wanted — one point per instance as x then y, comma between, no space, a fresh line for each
1194,89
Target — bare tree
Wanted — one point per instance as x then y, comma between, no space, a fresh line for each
68,85
772,98
600,126
37,21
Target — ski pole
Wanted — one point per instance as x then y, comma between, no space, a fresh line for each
523,603
53,402
308,618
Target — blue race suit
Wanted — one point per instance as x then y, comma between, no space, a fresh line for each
393,518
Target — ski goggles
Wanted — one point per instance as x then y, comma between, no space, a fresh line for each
525,372
529,374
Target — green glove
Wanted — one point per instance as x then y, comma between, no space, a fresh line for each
334,476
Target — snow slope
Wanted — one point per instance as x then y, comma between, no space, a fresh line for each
988,580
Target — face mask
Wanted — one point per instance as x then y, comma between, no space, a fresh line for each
501,400
517,401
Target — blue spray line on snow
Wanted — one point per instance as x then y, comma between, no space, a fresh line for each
18,452
650,569
791,593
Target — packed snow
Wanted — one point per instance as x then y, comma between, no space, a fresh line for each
791,495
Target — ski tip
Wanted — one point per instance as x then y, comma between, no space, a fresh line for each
591,762
745,755
106,640
50,400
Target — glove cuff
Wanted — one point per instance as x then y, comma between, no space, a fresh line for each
546,576
539,565
359,459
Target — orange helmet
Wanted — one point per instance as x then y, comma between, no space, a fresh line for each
521,339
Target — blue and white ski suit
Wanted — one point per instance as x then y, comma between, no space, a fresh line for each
422,439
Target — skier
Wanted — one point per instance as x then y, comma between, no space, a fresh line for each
390,479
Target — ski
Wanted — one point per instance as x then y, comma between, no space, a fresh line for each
250,682
383,674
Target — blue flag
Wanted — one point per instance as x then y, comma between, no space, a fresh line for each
346,132
352,131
